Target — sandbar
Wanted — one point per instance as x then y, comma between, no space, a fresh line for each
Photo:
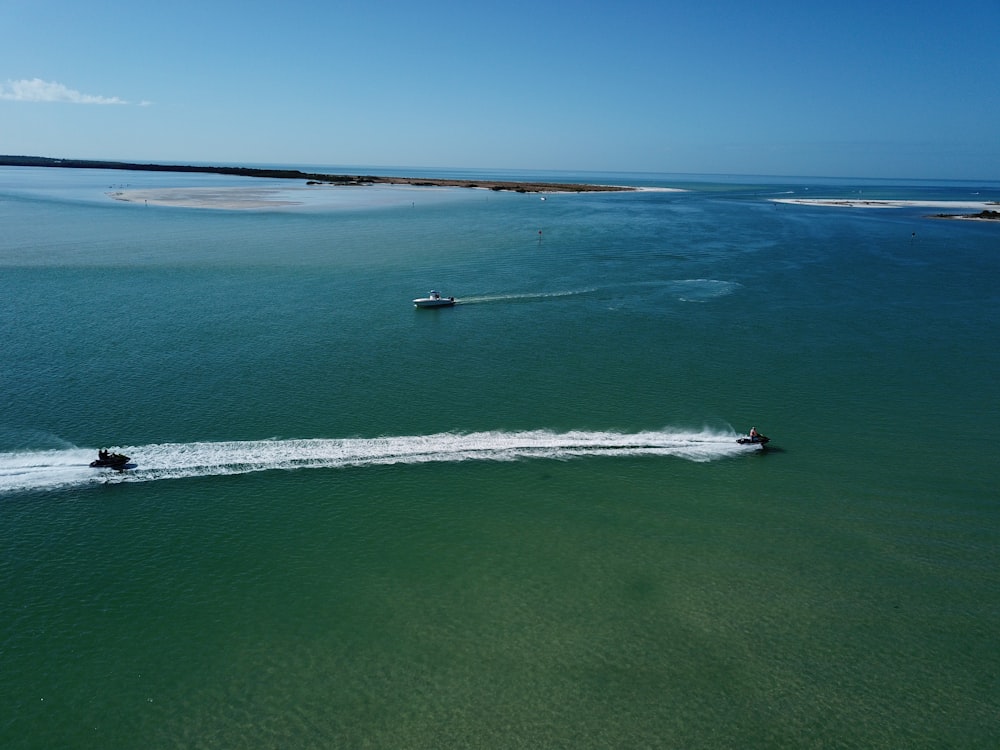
232,199
279,197
989,210
859,203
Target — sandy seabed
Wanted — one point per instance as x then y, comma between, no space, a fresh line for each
258,198
390,192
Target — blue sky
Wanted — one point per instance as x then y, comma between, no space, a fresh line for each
848,88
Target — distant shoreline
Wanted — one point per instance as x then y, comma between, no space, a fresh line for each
981,216
988,210
312,177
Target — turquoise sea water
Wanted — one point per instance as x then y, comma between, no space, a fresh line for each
520,522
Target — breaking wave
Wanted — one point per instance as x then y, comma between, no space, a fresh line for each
63,468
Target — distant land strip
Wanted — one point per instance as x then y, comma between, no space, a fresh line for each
294,174
986,215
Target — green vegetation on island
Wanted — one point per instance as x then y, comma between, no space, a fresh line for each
987,214
309,177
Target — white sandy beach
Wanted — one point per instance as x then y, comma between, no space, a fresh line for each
859,203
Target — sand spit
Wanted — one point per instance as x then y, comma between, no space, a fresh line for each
517,187
313,177
858,203
988,210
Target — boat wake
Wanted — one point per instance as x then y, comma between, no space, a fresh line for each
522,297
64,468
702,290
684,290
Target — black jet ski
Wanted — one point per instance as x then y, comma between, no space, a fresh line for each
107,460
757,439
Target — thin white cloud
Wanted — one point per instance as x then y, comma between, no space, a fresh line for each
37,90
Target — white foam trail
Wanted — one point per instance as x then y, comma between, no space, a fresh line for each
53,469
701,290
525,296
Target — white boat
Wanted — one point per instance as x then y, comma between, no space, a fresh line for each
434,299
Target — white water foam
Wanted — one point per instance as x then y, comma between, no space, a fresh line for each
702,290
523,297
54,469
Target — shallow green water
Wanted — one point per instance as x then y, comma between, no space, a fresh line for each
519,522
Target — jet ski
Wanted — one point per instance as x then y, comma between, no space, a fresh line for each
107,460
754,438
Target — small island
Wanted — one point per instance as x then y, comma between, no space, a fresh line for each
986,215
987,212
313,178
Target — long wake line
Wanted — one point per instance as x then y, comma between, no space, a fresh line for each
55,469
